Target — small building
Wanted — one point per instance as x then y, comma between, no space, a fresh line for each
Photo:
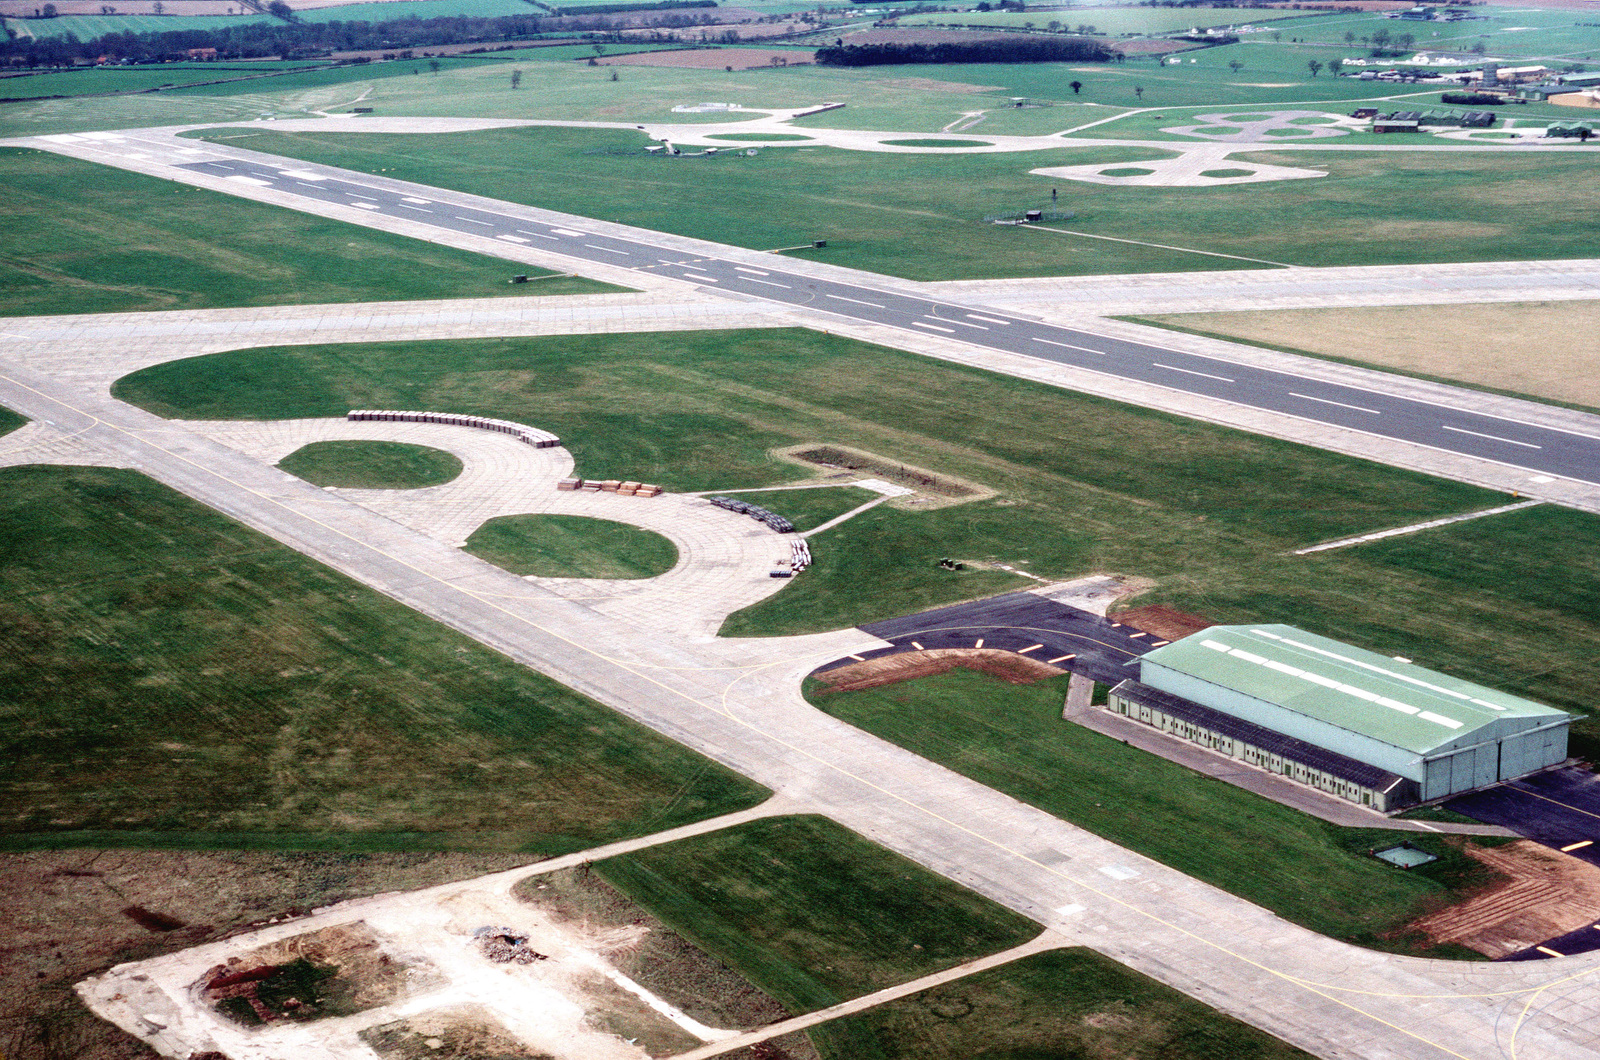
1395,125
1478,119
1369,728
1364,112
1580,130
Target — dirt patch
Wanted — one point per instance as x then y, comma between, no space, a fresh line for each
933,489
337,971
910,665
1542,894
928,84
1165,622
657,958
1480,345
466,1033
712,58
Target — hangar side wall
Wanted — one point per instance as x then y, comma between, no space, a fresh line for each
1350,744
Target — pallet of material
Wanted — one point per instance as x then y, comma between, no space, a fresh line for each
569,484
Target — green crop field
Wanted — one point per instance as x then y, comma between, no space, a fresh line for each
209,687
1207,513
572,546
372,465
88,27
1115,21
1013,738
1388,208
83,238
97,79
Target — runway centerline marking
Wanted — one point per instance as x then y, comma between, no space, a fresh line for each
754,272
934,327
1491,437
609,250
769,283
1190,371
857,301
987,320
475,221
408,206
1068,346
1329,401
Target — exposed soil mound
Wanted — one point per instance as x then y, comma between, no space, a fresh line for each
1544,894
907,666
1164,622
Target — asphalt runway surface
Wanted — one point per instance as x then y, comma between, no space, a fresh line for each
1559,809
1042,629
1516,443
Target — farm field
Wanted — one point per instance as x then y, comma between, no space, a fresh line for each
140,243
91,80
1389,208
232,694
1116,21
1013,738
1477,345
1205,513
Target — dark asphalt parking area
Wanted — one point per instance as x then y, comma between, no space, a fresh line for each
1558,808
1099,649
1584,940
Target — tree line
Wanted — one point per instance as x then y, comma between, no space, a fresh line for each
1018,49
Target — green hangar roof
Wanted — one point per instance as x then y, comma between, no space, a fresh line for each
1360,691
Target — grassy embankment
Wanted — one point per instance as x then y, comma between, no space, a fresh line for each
83,238
208,687
1305,870
572,546
10,421
372,465
876,213
815,915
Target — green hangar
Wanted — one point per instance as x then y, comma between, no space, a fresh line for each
1366,727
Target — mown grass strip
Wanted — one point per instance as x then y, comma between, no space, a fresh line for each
165,671
82,238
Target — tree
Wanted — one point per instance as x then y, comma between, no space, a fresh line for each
1479,48
516,80
1314,66
1404,41
1235,65
158,7
48,11
1334,66
1138,90
613,73
279,9
1076,86
433,64
1349,36
1380,37
1054,25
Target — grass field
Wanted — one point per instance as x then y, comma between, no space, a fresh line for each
814,915
1390,208
10,421
372,465
1012,738
1113,21
1206,513
1479,345
96,79
572,546
82,238
1063,1005
211,688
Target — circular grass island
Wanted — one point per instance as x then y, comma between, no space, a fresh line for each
372,465
936,143
572,546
